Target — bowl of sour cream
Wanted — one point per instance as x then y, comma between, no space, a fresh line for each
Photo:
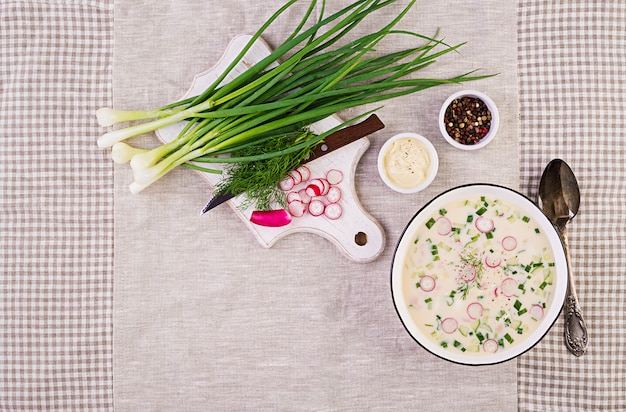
408,163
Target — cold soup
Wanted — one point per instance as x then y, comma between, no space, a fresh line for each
478,275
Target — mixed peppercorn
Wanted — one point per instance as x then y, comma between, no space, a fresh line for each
467,120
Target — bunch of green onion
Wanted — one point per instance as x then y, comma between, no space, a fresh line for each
310,76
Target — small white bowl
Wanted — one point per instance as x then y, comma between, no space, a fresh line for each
432,168
495,120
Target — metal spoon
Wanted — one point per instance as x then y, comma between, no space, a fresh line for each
559,198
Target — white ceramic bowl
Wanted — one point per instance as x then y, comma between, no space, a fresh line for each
432,168
495,120
406,243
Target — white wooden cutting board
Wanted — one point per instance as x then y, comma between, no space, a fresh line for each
356,233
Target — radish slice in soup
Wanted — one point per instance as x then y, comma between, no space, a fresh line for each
492,260
427,283
449,325
536,312
475,310
490,346
444,226
484,224
467,272
509,243
509,287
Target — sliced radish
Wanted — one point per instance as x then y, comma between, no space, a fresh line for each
449,325
293,196
305,173
475,310
325,187
296,176
270,218
334,194
490,346
287,183
333,211
304,196
484,224
536,312
427,283
313,190
509,243
508,287
444,226
334,176
467,272
297,208
492,260
316,207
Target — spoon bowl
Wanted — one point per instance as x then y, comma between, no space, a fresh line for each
559,194
559,198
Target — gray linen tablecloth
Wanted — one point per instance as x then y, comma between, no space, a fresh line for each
113,301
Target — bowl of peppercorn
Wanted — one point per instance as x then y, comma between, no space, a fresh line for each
469,120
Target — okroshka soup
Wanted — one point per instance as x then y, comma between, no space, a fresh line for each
479,275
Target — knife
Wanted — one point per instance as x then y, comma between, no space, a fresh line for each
331,143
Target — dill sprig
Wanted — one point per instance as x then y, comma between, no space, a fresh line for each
259,179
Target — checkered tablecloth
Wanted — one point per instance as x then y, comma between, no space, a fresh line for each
57,207
572,66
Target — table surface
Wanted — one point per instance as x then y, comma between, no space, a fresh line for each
113,301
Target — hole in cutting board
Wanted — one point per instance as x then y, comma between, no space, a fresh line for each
360,238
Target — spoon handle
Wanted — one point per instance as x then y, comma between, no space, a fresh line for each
576,338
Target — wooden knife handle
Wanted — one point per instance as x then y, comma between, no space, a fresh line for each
347,135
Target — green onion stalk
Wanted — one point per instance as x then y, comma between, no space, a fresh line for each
264,113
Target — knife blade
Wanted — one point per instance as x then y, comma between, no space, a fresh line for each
331,143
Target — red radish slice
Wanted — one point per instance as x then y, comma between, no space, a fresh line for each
270,218
296,176
287,183
475,310
536,312
467,272
509,287
293,196
427,283
333,211
316,207
334,194
296,208
490,346
509,243
334,176
317,183
304,196
444,226
325,187
313,190
484,224
449,325
305,173
492,260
